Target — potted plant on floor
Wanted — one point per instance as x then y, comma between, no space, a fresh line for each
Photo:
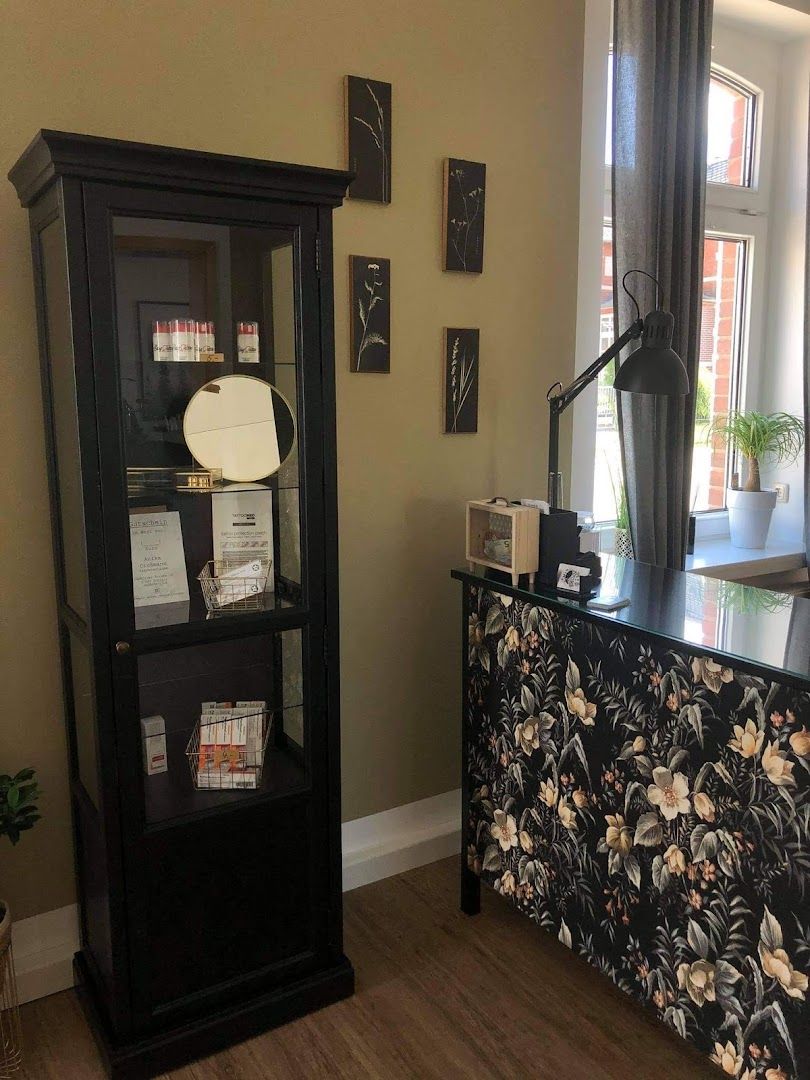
18,813
775,437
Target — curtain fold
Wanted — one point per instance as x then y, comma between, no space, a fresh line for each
661,69
807,370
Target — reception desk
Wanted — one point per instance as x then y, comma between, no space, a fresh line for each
637,783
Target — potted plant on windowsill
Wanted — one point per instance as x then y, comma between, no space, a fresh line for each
18,813
622,538
775,437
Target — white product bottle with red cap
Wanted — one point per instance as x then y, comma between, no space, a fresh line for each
182,331
247,342
161,341
200,339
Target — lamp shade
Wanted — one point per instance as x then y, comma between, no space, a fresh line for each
654,367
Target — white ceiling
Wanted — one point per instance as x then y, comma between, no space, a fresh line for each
781,21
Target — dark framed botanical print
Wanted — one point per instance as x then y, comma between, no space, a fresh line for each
370,299
463,219
461,369
368,138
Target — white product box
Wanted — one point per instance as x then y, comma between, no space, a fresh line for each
153,735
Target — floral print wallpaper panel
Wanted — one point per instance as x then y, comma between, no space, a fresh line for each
649,807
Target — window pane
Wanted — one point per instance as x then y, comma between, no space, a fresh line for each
720,362
730,145
608,463
729,154
724,262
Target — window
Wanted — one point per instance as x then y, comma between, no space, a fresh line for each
719,380
731,129
732,117
720,368
727,260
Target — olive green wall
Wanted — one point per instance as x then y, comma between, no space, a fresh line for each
493,82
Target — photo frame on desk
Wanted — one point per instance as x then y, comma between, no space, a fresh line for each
575,581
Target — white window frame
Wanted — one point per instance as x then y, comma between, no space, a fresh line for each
731,210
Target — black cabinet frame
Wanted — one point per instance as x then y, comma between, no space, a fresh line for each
76,184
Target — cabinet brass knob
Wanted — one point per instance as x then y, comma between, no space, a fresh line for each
122,647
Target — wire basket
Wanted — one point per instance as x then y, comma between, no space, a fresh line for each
234,586
10,1028
227,754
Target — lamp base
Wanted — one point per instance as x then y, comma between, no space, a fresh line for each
559,542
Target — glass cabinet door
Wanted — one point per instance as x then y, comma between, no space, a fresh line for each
207,342
214,560
207,354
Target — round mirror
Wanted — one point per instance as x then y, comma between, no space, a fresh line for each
241,425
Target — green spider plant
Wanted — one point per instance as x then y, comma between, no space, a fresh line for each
776,437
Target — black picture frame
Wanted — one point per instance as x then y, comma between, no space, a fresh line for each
370,316
368,138
463,216
462,363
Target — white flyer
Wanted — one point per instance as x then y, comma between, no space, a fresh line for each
242,524
158,560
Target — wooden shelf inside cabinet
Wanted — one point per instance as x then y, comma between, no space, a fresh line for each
171,797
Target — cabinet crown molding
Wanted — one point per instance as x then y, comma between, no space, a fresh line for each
53,154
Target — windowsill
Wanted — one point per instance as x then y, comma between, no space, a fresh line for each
717,557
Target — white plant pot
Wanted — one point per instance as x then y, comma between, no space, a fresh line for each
623,543
749,516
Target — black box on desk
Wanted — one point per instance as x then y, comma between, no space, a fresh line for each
559,542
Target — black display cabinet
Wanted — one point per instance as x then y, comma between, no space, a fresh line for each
208,860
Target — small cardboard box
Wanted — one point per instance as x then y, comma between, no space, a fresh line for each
153,735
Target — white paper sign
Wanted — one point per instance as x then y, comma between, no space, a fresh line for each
158,560
242,524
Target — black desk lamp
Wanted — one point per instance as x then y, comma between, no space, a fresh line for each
653,368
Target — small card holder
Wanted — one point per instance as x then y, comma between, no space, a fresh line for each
574,581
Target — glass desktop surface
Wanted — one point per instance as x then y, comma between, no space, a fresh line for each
747,625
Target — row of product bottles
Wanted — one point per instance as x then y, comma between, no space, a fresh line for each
194,341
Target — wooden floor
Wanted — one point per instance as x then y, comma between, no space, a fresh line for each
438,995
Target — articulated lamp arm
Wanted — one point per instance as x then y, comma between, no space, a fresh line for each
559,400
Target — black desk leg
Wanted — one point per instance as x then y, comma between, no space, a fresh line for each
470,888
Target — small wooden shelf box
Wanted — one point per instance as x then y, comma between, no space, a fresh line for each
504,537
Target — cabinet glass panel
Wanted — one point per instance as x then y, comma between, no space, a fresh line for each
210,387
221,722
84,716
59,343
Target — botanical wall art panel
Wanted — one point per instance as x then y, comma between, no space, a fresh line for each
370,298
464,192
650,808
461,368
368,138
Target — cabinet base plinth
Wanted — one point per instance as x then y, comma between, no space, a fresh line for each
176,1047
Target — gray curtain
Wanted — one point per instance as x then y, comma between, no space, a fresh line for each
807,370
661,68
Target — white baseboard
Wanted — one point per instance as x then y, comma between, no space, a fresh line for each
374,847
43,952
396,840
